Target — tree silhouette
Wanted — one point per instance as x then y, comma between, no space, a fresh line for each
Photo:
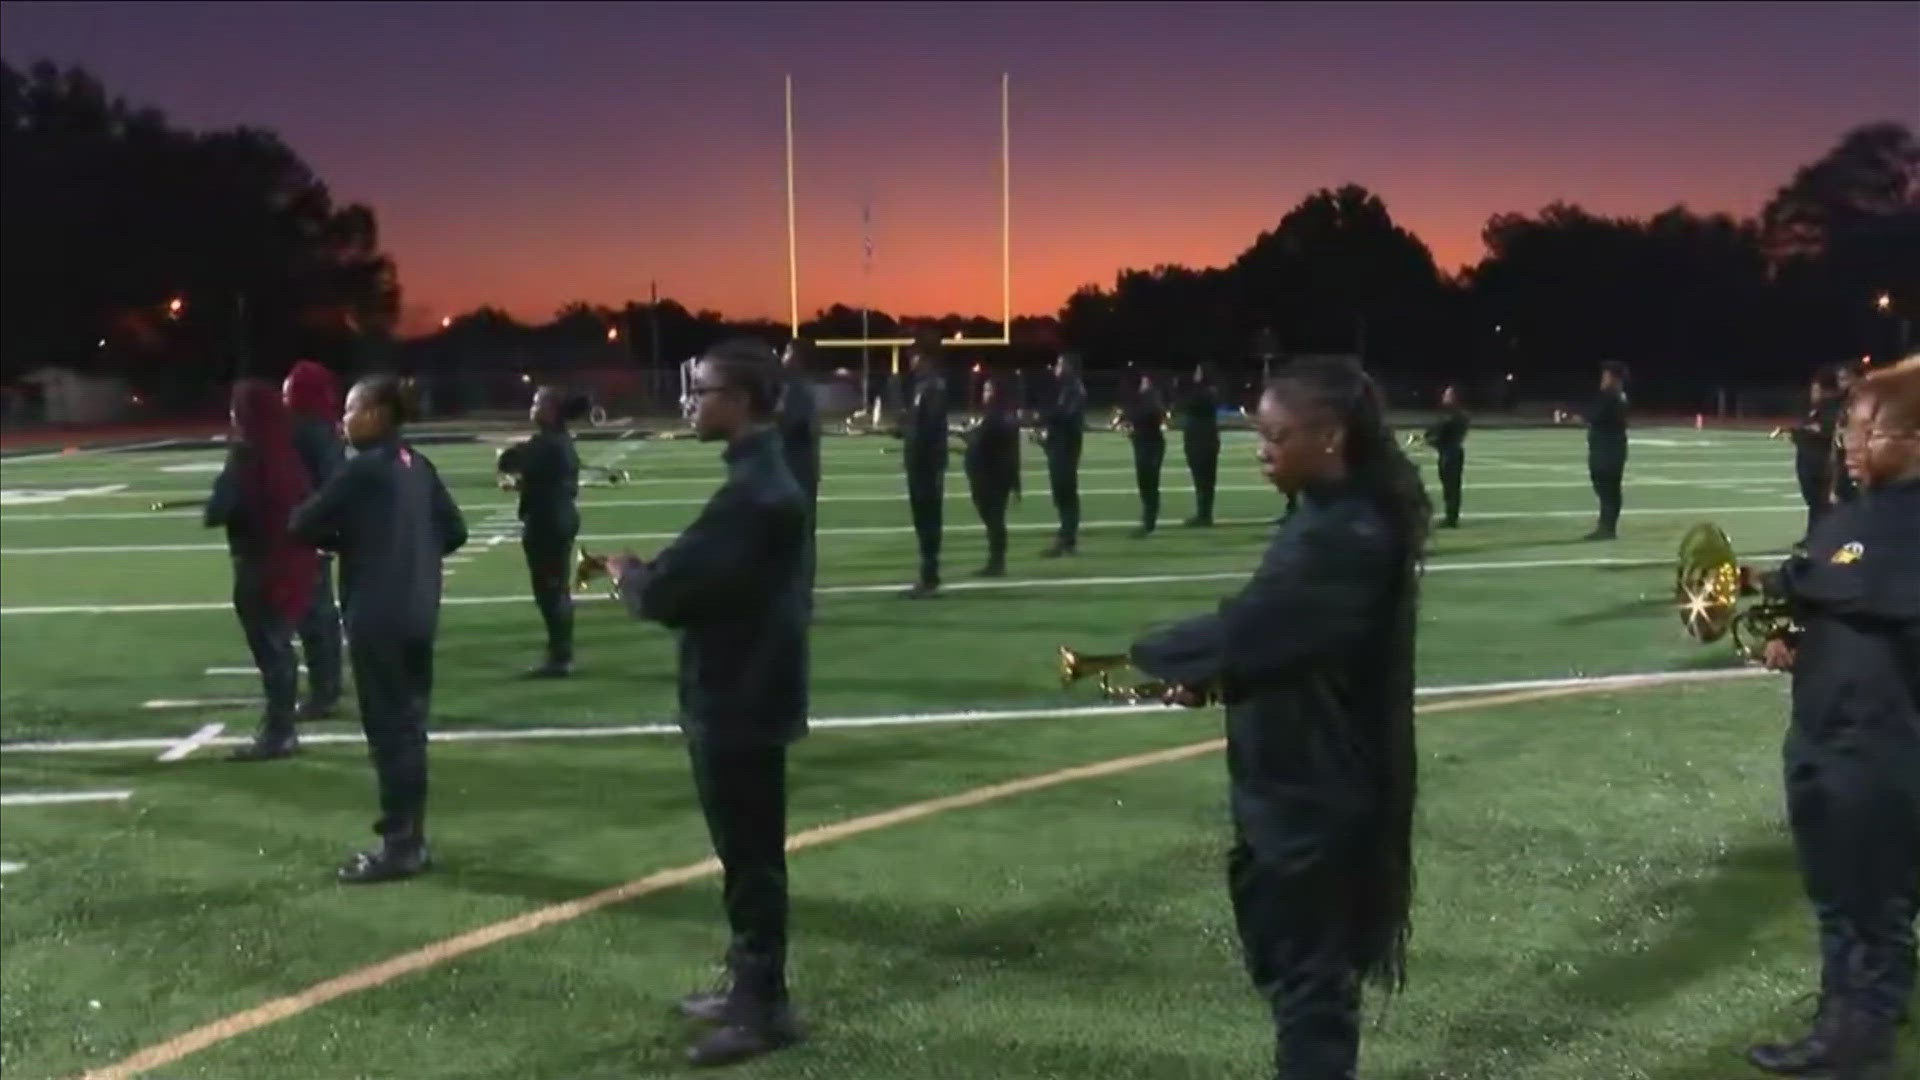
181,251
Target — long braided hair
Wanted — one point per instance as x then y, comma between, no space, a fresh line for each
1340,391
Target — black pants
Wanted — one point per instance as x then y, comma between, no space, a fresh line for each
1203,461
743,793
990,498
1293,938
1063,475
320,641
1148,454
926,494
1606,477
270,641
1857,836
393,679
1451,468
1816,490
550,568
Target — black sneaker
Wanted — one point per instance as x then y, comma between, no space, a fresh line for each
1141,533
268,745
389,862
552,669
1057,550
325,709
1198,523
922,590
1601,534
992,570
1811,1053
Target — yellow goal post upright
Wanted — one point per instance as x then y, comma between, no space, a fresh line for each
895,344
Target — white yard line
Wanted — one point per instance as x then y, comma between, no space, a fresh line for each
1025,526
11,867
53,798
243,670
958,493
1650,678
886,587
179,751
198,703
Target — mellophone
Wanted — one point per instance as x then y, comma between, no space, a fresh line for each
1709,583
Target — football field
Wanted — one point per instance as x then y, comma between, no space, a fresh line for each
994,877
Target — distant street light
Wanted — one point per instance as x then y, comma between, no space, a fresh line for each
446,321
526,378
613,333
175,306
1883,301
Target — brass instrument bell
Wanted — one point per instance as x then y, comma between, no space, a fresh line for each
1709,583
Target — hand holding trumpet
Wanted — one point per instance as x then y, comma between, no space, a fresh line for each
611,567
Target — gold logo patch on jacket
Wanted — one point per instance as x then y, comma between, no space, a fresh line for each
1849,553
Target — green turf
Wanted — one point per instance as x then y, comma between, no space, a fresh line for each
1606,889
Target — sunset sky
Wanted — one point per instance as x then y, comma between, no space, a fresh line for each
528,155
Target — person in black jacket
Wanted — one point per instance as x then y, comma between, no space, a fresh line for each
273,573
313,397
993,470
1606,422
1200,434
924,453
1063,428
546,471
1814,439
1448,437
1313,660
1145,419
1852,750
733,589
391,521
1845,376
800,439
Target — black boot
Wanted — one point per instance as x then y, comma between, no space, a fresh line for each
748,1029
1863,1046
1058,549
274,740
922,590
995,568
1198,522
394,860
1811,1053
552,669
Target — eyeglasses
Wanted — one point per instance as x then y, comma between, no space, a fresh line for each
703,391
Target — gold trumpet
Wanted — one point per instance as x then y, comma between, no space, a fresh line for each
591,566
1709,583
1076,666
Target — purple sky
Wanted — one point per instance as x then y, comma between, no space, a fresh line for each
526,155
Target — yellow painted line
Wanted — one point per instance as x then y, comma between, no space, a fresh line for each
191,1042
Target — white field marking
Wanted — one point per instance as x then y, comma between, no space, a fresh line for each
179,751
43,496
198,703
1024,526
11,867
966,716
243,670
66,455
857,590
959,493
194,467
52,798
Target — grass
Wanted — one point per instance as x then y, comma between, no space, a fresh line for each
1606,887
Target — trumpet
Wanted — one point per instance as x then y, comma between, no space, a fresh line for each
591,566
1709,583
1076,666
